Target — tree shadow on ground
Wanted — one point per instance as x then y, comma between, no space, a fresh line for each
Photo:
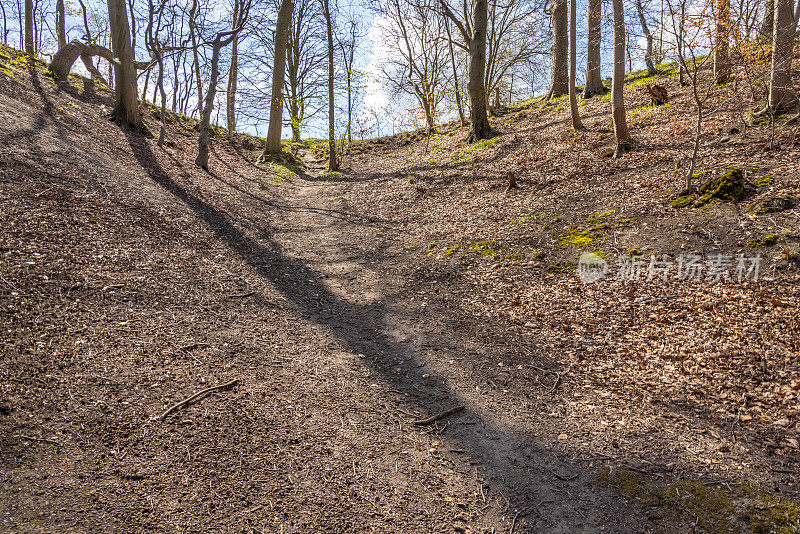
527,470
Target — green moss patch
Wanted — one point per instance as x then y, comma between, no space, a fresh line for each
766,241
561,266
716,508
772,205
473,149
765,181
487,248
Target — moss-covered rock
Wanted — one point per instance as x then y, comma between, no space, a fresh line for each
772,205
728,187
682,202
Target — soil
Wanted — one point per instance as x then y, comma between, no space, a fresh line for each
132,280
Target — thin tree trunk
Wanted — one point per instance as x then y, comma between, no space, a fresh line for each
782,95
573,51
233,74
618,81
722,59
456,88
648,54
594,81
126,110
273,145
559,84
61,33
29,48
333,160
193,35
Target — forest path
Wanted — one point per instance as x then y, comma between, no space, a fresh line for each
418,356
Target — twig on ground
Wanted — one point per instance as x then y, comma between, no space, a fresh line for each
555,385
561,477
32,438
513,523
196,396
434,418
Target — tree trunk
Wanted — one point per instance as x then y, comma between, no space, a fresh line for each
29,48
594,82
456,88
648,54
573,51
273,145
769,20
233,74
782,95
193,35
618,81
479,122
61,33
722,60
126,110
208,107
333,160
559,84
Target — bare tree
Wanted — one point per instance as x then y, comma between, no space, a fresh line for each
233,73
348,45
304,60
419,67
193,37
456,88
594,81
154,46
648,54
473,30
221,40
273,145
618,81
573,48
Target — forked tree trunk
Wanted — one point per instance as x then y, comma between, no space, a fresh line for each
648,53
618,81
573,51
594,81
559,78
722,59
273,145
126,110
782,95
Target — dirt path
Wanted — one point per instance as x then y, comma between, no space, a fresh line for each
420,366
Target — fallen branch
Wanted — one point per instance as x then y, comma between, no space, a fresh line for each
196,396
432,419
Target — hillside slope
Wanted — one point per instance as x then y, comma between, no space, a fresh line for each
347,307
